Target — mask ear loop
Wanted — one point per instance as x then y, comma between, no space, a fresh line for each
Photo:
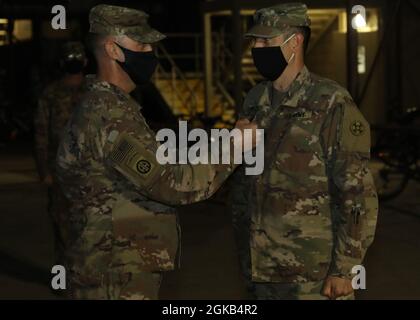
291,57
287,40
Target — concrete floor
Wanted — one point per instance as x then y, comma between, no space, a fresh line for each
209,264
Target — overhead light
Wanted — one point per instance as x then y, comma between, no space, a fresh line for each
361,59
22,29
359,21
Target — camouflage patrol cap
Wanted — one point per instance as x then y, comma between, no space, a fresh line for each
73,50
118,21
271,22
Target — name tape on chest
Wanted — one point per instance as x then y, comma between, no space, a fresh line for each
299,115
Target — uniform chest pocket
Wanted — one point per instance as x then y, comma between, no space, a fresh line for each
302,135
300,150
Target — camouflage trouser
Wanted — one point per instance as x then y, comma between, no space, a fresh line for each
241,227
292,291
241,221
58,214
118,286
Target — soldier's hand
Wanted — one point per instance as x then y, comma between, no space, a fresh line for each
335,287
48,180
243,124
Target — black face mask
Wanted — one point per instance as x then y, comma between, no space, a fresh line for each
73,66
139,66
269,61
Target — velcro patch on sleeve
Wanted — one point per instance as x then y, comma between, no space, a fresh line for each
133,160
355,131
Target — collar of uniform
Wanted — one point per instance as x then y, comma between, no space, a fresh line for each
93,83
297,88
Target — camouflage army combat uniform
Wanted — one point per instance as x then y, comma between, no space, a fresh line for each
312,213
123,225
54,109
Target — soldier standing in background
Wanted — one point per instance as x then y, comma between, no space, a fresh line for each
309,218
54,109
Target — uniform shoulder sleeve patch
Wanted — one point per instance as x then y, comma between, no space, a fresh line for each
355,130
131,158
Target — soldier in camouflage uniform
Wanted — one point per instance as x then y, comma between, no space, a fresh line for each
54,109
123,227
310,217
